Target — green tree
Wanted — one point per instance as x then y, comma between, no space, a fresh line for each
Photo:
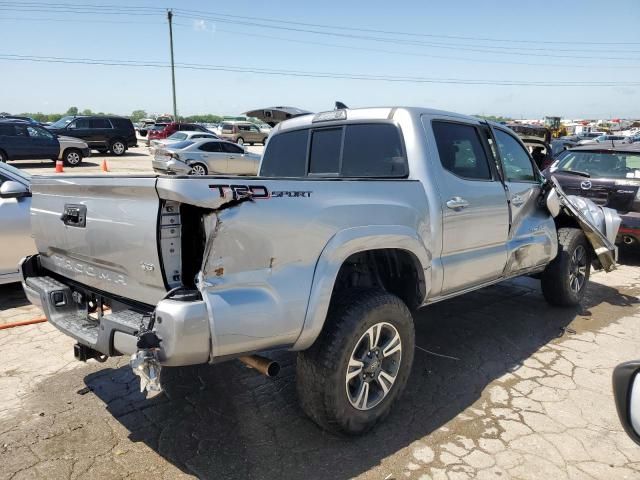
87,111
72,111
138,115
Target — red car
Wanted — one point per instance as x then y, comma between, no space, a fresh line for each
171,128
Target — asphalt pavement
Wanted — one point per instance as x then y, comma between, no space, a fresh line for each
503,386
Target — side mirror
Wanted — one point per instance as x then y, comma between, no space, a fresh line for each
626,391
11,189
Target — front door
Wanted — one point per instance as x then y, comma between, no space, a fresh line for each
79,128
532,232
473,202
42,144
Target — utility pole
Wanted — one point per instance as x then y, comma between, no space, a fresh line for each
173,72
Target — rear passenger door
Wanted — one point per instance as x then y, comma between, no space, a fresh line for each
14,141
102,131
473,202
214,157
237,164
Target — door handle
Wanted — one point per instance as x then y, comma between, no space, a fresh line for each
457,203
517,200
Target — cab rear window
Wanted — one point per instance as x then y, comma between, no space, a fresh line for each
371,150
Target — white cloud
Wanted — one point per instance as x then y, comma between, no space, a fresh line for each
200,25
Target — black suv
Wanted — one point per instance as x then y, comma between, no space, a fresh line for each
102,133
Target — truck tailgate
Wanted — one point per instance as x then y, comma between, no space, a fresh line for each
100,232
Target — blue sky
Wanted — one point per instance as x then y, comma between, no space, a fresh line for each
136,35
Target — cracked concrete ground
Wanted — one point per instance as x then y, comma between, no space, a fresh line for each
503,386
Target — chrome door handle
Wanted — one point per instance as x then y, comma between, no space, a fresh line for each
457,203
517,200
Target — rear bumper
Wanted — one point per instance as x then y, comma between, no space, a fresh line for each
629,232
170,167
182,326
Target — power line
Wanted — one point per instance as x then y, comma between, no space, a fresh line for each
297,73
401,41
326,26
415,54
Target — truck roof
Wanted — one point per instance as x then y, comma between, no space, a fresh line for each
369,113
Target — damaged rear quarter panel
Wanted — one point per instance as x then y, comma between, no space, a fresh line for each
261,255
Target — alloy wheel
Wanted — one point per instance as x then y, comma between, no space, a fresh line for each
578,269
373,366
118,148
73,158
198,170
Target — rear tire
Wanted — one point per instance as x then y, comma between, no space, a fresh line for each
332,373
3,157
564,281
198,169
118,147
72,157
240,141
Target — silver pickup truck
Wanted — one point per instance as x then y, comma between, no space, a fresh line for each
358,218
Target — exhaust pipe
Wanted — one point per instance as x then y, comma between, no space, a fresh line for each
628,240
265,366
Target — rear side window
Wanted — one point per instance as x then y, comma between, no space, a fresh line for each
286,155
373,151
325,151
461,151
227,128
99,123
7,130
180,145
231,148
357,150
210,147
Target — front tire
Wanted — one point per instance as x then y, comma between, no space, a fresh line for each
72,157
118,148
3,157
359,365
564,281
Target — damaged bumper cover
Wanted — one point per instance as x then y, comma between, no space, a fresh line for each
599,224
182,326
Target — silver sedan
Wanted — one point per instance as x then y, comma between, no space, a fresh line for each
15,239
205,157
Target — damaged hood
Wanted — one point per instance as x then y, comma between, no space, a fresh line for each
600,224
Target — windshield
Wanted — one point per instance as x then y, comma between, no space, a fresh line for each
602,164
181,145
63,122
177,136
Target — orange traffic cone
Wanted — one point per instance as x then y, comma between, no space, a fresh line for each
59,166
105,167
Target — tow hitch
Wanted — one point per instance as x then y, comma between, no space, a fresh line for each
146,365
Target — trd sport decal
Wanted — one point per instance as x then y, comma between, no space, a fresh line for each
257,192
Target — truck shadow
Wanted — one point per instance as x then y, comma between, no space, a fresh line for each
12,296
226,421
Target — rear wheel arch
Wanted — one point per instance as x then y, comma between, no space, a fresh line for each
366,247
